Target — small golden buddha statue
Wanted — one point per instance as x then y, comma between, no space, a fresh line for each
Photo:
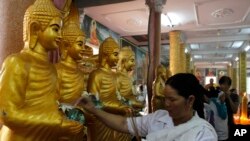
86,64
158,98
125,65
28,82
71,78
102,82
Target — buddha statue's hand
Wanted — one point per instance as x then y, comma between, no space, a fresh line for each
70,127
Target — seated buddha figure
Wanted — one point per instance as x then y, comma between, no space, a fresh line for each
28,104
158,98
86,64
102,82
71,78
126,64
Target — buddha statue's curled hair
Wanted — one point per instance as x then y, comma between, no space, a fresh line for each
107,47
42,11
71,31
124,54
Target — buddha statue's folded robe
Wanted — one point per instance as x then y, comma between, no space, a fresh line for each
125,89
71,82
28,98
103,82
71,85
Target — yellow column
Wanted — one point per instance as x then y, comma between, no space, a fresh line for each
182,57
242,72
230,71
174,52
234,75
11,31
188,63
234,78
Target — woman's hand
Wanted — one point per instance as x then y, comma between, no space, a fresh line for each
86,103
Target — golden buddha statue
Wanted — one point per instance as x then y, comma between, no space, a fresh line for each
102,82
86,64
71,78
125,65
28,81
158,98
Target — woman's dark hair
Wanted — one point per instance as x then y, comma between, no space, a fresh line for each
186,84
225,80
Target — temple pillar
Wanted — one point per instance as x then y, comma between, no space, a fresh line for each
230,70
11,31
234,77
242,72
182,58
188,63
154,34
174,52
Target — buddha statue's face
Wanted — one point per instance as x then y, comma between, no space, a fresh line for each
112,59
50,37
164,74
129,64
77,48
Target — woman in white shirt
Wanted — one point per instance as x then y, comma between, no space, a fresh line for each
180,121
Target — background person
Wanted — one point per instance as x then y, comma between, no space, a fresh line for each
232,101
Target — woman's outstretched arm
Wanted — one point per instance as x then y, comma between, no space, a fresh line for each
113,121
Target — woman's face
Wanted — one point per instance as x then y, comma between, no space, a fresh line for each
177,106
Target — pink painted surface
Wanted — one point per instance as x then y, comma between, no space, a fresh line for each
11,21
59,3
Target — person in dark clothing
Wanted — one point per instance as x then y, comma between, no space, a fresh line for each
232,101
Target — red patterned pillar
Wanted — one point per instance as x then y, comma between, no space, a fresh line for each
154,34
11,31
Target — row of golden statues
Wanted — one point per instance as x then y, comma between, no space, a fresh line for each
32,89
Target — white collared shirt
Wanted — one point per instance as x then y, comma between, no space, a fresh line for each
161,120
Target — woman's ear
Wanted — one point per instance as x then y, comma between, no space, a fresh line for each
35,28
190,100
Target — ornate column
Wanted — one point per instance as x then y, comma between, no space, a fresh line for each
182,57
242,72
234,78
174,52
154,34
11,31
230,70
188,63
